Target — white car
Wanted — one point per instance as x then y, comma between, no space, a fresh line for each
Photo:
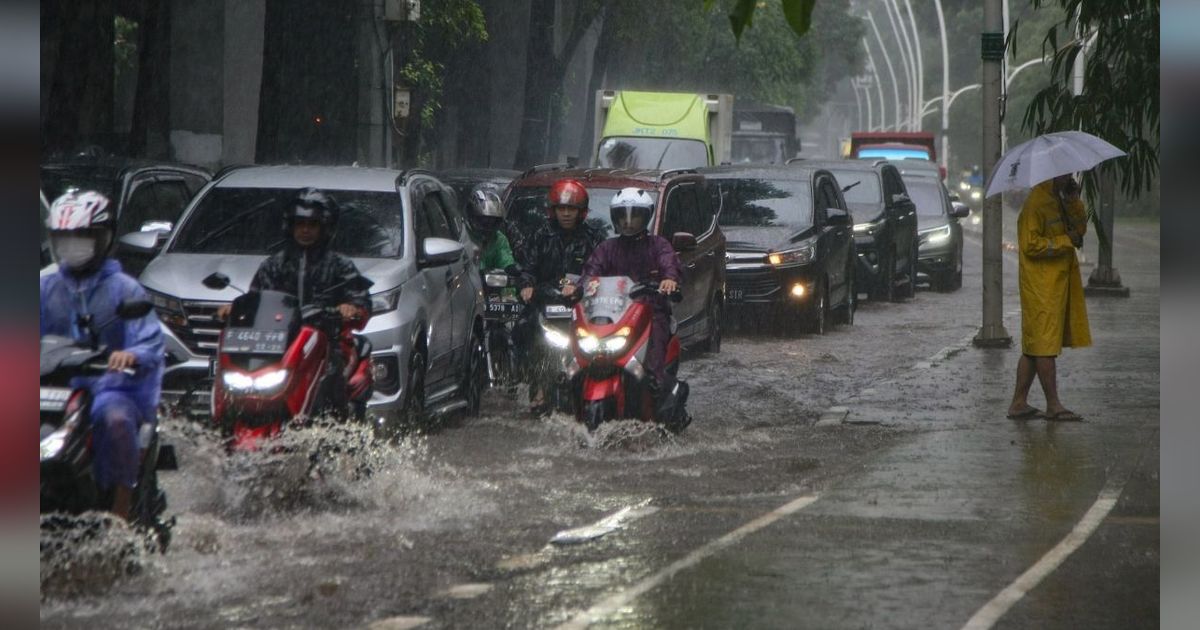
404,232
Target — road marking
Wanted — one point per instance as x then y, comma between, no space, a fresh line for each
398,623
466,591
991,612
606,525
615,602
833,415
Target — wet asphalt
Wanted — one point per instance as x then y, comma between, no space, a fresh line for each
866,478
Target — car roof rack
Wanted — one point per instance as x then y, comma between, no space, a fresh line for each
671,172
794,160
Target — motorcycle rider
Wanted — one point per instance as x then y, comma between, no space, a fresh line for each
309,269
485,217
560,247
636,253
83,296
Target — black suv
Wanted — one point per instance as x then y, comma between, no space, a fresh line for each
791,245
149,195
682,215
941,238
886,230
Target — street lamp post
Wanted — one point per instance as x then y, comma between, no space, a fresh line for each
920,66
887,60
906,63
945,87
992,333
878,84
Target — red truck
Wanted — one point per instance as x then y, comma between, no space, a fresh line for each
894,145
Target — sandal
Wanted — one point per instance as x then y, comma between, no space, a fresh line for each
1026,414
1063,416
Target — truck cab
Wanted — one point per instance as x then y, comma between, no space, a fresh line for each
662,130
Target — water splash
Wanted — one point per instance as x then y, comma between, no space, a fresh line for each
90,553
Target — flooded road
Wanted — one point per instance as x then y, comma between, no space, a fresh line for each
864,478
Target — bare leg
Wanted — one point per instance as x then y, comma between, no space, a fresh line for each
1025,373
122,501
1047,372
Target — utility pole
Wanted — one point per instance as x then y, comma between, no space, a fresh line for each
945,87
992,334
887,60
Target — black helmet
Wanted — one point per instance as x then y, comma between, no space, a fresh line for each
484,210
311,203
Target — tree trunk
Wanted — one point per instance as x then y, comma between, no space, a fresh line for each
600,59
541,72
80,107
148,136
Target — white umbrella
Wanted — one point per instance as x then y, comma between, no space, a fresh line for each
1046,157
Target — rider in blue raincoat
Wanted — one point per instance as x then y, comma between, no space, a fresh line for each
89,286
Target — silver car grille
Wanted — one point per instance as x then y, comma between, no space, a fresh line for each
202,331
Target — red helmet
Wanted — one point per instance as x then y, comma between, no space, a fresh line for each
567,192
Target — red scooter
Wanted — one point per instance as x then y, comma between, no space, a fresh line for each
610,342
271,365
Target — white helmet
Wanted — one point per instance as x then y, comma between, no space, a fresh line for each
628,204
81,226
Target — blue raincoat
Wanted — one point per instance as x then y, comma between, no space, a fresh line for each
121,403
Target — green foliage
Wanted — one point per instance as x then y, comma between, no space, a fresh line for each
1119,101
125,45
797,12
443,27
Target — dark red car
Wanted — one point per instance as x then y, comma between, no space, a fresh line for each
683,213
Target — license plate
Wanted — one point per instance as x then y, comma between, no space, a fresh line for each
250,341
557,311
54,398
735,295
503,307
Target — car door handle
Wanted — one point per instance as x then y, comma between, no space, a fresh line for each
710,253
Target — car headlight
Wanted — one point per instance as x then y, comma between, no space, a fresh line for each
555,337
964,186
385,301
797,256
936,235
975,194
168,309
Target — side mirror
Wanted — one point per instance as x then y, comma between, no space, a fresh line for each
683,241
216,281
959,210
838,219
901,201
134,309
440,251
146,242
163,227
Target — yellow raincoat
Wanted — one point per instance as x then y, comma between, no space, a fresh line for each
1053,314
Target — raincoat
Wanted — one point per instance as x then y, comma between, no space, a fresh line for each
1053,313
494,252
121,403
643,258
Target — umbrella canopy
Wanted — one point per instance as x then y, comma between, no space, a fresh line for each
1046,157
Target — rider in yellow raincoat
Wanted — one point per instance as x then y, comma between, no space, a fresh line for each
1053,314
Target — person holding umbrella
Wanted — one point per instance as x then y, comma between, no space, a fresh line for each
1050,228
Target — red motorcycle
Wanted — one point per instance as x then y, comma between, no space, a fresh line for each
271,366
610,342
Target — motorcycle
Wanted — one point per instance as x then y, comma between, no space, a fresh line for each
552,343
70,370
502,310
271,366
609,344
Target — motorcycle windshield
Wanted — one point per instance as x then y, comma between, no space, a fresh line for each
262,322
606,299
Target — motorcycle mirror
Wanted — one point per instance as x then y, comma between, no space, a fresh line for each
216,281
134,309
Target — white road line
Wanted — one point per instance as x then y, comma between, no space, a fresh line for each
991,612
615,602
606,525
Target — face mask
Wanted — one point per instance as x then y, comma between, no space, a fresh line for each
73,251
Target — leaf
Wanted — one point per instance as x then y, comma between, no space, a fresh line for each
799,14
741,17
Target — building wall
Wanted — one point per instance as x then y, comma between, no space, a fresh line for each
244,22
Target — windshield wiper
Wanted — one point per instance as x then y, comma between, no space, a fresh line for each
848,187
664,154
230,223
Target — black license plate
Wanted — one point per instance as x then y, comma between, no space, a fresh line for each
735,295
250,341
506,308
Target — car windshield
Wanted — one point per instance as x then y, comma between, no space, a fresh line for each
758,149
756,202
527,208
247,221
863,186
56,182
927,194
651,153
892,153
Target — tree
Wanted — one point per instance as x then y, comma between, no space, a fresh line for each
797,12
1119,101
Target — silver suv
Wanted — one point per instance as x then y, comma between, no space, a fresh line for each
403,231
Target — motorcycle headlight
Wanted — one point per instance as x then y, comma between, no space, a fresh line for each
496,279
52,444
236,381
589,344
385,302
270,380
936,235
797,256
615,343
556,338
975,194
964,186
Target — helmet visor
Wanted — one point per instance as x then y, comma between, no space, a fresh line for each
629,220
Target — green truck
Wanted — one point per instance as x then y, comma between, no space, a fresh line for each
662,130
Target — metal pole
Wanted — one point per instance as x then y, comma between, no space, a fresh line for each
945,87
878,85
857,101
920,114
870,114
992,334
905,62
887,60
